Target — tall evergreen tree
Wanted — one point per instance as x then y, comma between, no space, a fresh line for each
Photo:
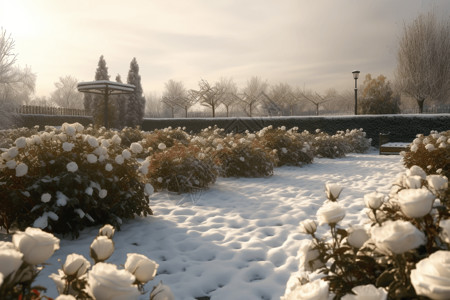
95,104
121,104
135,106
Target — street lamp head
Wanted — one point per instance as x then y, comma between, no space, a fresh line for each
355,74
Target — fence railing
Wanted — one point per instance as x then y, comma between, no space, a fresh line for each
46,110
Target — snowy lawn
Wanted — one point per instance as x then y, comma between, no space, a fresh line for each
239,239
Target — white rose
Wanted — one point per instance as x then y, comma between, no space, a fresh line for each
106,282
60,281
116,140
119,159
308,226
107,230
397,237
126,154
161,146
91,158
136,148
415,203
10,261
65,297
67,146
21,142
333,191
161,292
143,268
437,182
308,256
46,197
36,245
373,200
445,225
101,248
315,290
416,170
330,213
148,189
76,265
13,152
72,167
11,164
413,182
92,141
366,292
431,277
102,193
357,236
21,170
108,167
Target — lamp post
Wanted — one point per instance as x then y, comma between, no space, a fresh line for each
355,76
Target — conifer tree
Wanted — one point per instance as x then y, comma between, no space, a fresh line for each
135,105
121,104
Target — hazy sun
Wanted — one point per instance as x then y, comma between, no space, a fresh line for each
19,17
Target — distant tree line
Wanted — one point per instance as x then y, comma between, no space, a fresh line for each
421,81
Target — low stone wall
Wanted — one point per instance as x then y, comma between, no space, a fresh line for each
402,128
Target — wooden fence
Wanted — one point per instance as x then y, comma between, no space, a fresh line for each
46,110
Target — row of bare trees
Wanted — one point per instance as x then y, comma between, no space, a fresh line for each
257,98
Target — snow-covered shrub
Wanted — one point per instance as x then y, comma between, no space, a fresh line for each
239,156
63,180
160,139
291,147
181,169
131,135
8,136
356,139
23,259
431,153
402,252
330,146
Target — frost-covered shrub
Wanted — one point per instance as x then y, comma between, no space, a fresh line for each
63,180
160,139
238,156
329,146
8,136
181,169
131,135
401,252
291,147
431,153
356,139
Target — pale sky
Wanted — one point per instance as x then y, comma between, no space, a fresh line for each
312,44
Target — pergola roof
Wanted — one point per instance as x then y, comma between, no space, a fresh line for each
105,87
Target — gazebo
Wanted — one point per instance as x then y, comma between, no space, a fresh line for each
105,88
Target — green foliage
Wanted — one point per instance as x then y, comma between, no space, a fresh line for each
64,180
431,153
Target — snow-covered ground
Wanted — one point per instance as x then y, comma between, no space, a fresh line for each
240,238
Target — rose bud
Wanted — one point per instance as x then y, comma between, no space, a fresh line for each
76,265
36,245
143,268
101,249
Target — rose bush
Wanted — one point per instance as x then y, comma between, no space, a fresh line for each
401,253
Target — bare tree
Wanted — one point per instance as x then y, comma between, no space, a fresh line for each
175,95
207,95
252,94
229,95
155,107
7,57
423,67
66,93
313,97
282,94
